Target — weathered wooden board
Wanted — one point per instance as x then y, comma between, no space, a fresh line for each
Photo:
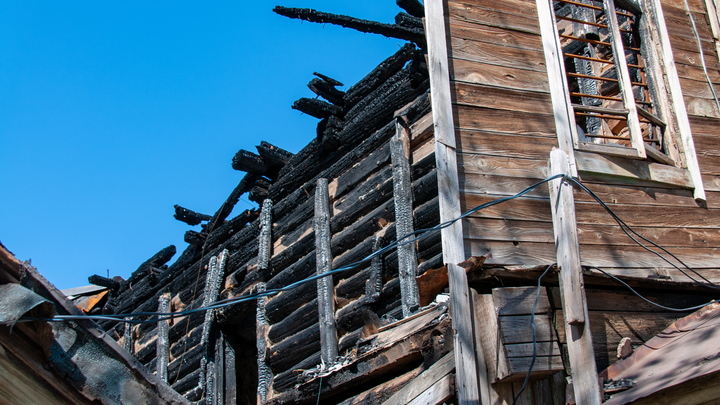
483,73
543,349
696,6
589,234
611,327
520,300
497,16
480,164
701,107
438,393
505,144
625,301
424,381
479,95
698,89
538,254
696,73
493,35
496,54
521,331
487,119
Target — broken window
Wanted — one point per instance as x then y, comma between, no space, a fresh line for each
607,77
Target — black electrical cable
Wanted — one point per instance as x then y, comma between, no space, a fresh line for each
695,308
625,227
532,323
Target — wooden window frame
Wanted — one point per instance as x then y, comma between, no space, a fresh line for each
660,62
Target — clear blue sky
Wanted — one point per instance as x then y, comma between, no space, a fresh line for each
112,112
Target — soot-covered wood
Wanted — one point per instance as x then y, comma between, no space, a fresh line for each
327,91
388,30
413,7
188,216
316,108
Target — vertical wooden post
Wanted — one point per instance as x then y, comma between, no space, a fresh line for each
230,374
128,343
213,280
264,373
219,394
325,285
572,290
163,343
402,194
373,286
262,326
449,199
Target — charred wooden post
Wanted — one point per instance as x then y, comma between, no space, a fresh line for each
316,108
213,280
413,7
190,217
163,342
265,376
403,196
326,91
572,292
374,27
325,285
104,282
265,239
246,161
128,343
373,286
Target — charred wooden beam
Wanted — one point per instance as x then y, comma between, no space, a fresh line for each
287,379
328,79
273,155
258,194
247,161
265,375
403,197
128,337
385,70
95,279
188,216
413,7
327,91
316,108
327,130
163,344
406,20
265,240
325,285
373,286
194,238
157,260
374,27
244,186
294,349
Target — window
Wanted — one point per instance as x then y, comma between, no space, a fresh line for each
613,82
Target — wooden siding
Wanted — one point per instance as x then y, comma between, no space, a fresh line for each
505,132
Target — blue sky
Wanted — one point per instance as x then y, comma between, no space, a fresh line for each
111,113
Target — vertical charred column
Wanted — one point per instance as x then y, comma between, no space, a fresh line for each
265,376
163,343
403,196
216,271
325,285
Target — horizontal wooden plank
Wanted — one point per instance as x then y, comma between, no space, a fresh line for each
505,230
705,126
521,365
475,163
692,58
536,209
517,329
543,349
492,16
611,327
438,393
698,88
422,150
709,164
505,145
538,254
696,73
516,122
493,35
521,8
701,107
496,54
493,75
711,182
625,301
695,6
632,169
478,95
520,300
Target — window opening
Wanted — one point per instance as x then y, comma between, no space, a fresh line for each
606,76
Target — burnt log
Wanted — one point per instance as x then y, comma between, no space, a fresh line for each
226,208
280,306
95,279
187,340
328,79
413,7
287,379
300,319
385,70
316,108
295,348
188,382
189,217
273,155
186,364
374,27
327,130
258,194
157,260
406,20
194,238
327,91
350,317
246,161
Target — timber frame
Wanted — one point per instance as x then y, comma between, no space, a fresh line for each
473,108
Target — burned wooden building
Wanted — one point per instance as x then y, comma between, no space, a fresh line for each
485,100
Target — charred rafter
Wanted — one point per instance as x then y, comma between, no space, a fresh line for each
190,217
374,27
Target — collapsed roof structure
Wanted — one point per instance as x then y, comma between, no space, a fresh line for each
567,100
